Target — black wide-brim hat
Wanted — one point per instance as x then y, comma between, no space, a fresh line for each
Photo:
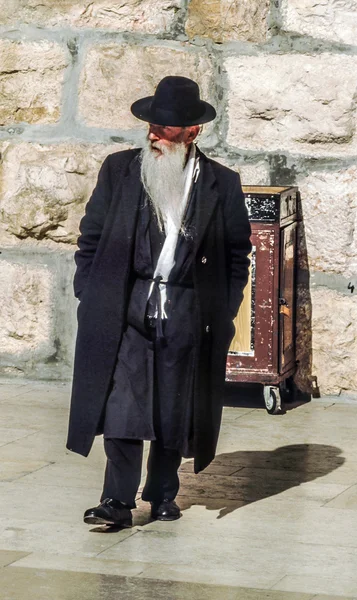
176,103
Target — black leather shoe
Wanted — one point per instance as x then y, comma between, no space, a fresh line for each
109,512
167,510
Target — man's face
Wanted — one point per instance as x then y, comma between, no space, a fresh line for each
167,136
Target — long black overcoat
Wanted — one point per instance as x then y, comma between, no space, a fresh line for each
101,283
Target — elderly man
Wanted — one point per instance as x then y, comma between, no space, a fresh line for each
161,267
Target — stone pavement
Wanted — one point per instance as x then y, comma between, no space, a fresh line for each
274,517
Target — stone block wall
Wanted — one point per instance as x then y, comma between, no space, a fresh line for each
282,74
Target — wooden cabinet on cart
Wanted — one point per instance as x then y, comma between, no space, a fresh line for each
263,349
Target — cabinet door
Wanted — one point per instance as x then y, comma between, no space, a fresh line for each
255,345
287,297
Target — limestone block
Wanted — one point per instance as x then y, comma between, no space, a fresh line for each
31,77
114,76
334,340
25,300
224,20
297,103
253,174
334,20
45,188
250,173
143,16
329,212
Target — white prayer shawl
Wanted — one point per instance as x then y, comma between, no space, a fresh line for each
166,260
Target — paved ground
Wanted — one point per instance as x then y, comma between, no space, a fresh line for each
274,517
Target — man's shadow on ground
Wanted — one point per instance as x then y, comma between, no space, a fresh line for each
235,479
238,478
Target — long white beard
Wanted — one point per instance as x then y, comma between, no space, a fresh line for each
163,180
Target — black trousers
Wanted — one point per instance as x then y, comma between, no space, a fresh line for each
123,471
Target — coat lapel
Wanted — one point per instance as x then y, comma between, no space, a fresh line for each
207,197
129,201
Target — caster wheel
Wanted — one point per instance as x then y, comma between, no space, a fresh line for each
272,399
